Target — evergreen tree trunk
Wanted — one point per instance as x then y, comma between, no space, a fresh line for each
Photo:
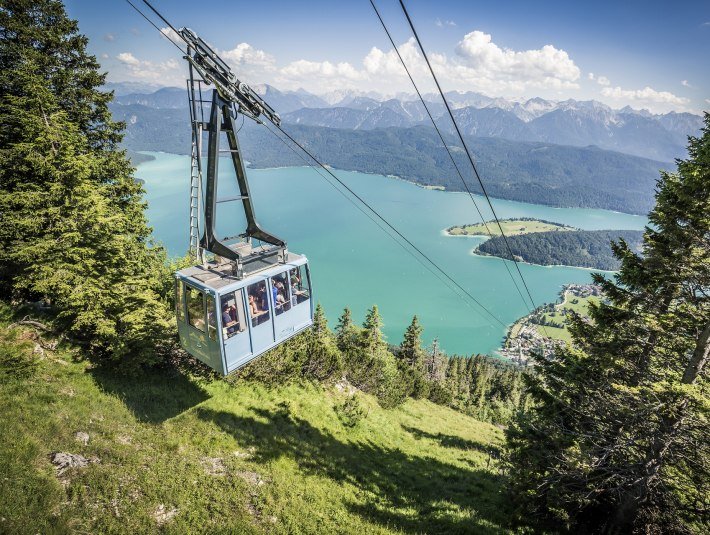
670,425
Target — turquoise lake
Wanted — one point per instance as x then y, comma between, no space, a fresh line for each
355,264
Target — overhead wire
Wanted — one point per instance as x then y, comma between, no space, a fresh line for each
466,149
366,214
155,26
166,21
446,146
414,248
394,229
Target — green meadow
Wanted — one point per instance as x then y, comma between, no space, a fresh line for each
511,227
180,453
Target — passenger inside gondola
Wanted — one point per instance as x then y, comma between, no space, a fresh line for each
258,304
229,319
299,291
280,293
295,278
262,298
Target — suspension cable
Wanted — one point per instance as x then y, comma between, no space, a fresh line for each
166,21
154,25
443,141
466,149
390,226
371,218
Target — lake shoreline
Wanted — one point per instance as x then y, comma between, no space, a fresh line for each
343,246
595,270
428,187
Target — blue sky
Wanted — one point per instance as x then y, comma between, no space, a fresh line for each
650,55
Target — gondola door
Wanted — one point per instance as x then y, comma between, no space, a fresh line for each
259,309
235,333
198,334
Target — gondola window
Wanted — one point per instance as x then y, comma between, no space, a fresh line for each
233,314
258,303
195,308
300,285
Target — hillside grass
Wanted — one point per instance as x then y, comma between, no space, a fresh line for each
561,311
186,454
511,227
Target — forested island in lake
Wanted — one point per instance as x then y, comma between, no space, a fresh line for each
580,248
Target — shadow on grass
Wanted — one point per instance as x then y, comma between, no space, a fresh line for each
452,441
413,494
153,396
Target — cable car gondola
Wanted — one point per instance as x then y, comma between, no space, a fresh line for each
239,299
226,322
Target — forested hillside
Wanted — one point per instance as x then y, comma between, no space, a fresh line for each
541,173
580,248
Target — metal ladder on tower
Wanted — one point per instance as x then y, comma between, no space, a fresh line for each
195,101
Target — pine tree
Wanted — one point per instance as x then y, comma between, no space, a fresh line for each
410,350
322,358
436,363
411,359
346,332
320,322
72,226
371,337
617,439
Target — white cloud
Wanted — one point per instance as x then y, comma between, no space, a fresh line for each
441,23
249,63
601,80
109,37
378,63
240,55
128,59
707,100
172,35
544,67
656,101
478,64
170,72
245,54
337,75
104,56
685,83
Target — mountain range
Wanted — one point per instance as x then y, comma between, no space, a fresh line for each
569,122
543,173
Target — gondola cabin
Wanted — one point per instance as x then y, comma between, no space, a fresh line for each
227,322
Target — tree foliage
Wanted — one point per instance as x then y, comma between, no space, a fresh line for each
580,248
72,227
480,386
617,439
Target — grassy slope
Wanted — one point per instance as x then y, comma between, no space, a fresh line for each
560,316
284,462
510,227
